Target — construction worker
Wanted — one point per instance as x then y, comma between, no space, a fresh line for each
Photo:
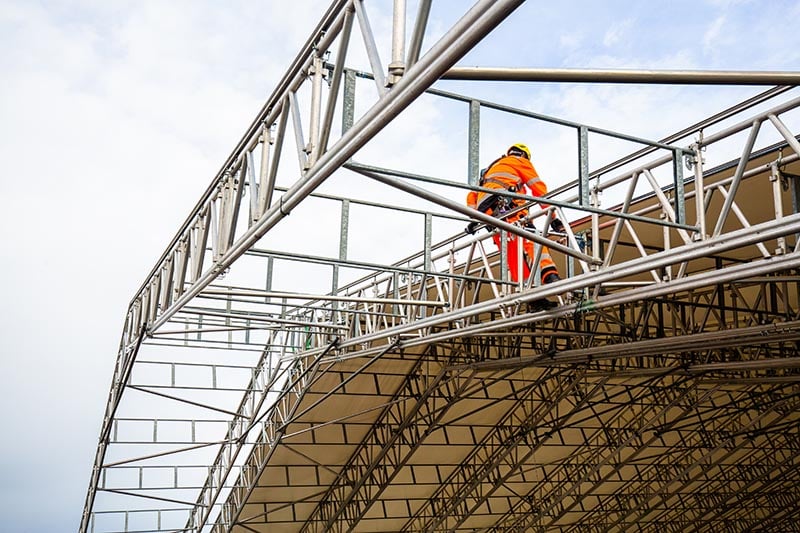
514,172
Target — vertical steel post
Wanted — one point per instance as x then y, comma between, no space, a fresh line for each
474,142
667,276
152,296
794,191
583,166
215,225
518,243
268,278
200,233
264,187
316,110
344,228
451,260
504,258
182,264
253,185
775,178
348,101
398,66
168,273
236,202
699,191
595,202
297,125
428,241
678,189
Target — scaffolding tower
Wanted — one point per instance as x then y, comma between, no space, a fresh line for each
321,347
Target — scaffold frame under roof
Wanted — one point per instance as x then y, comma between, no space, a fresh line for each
262,387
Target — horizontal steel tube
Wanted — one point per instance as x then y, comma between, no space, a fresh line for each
698,341
316,297
681,77
263,319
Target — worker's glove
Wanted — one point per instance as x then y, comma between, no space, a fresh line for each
557,226
472,228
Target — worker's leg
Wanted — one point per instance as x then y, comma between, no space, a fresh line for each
548,269
513,257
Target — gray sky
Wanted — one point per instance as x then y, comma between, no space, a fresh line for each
115,116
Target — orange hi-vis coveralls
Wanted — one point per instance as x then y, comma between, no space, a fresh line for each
514,174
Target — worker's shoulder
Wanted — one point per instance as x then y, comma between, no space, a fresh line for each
505,160
518,164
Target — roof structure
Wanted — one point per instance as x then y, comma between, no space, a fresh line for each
270,383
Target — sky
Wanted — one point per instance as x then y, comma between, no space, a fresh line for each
116,115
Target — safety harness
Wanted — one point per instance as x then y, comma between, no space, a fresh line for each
494,204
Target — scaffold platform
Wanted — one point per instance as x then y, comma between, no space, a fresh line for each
322,347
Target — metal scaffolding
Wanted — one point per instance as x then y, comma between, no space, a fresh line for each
270,383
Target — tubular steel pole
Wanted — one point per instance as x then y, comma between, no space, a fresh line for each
679,77
398,65
737,178
473,149
336,80
369,44
787,135
313,148
415,46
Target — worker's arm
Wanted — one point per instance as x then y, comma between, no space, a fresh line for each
472,199
537,187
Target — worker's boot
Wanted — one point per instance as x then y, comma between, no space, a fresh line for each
542,304
549,276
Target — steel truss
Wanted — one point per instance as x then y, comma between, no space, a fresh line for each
432,393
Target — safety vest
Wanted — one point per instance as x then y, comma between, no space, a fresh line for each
510,173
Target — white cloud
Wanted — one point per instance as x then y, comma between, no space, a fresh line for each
617,32
713,33
570,41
